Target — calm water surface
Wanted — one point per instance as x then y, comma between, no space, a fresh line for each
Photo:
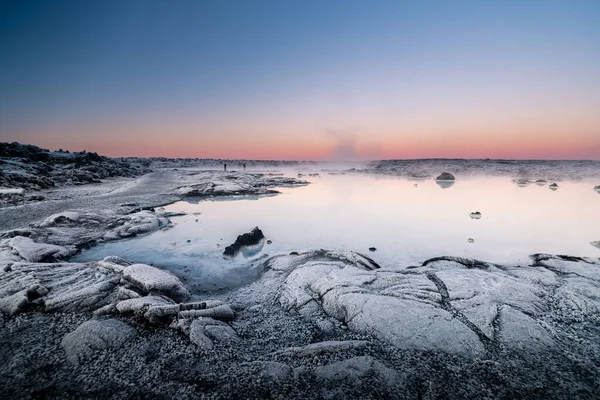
408,221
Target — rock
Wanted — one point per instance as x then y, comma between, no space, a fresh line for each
315,349
596,243
372,249
269,369
522,182
269,241
66,287
541,182
553,186
475,215
445,176
222,312
95,335
250,239
35,252
471,240
152,279
597,188
204,332
355,369
140,305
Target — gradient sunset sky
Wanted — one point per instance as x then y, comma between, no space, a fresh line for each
287,79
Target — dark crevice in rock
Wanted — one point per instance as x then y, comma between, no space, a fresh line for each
447,305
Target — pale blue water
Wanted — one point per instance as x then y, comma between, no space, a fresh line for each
408,221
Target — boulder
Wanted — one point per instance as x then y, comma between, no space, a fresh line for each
95,335
253,238
151,279
445,176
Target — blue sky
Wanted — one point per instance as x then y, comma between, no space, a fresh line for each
397,78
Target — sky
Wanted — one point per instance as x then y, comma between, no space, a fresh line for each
318,80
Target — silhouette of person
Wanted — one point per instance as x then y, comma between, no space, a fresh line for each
244,166
225,167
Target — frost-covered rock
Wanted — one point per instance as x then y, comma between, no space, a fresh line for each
59,286
268,369
95,335
140,305
228,184
152,279
82,227
355,369
31,251
319,348
455,305
204,332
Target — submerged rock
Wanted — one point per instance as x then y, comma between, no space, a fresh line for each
475,215
253,238
541,182
445,176
95,335
553,186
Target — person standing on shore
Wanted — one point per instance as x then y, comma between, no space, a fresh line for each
224,167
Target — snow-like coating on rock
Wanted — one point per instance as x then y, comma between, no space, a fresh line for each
59,286
152,279
355,369
229,184
451,304
204,332
35,252
95,335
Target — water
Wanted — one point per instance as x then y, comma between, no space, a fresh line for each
407,221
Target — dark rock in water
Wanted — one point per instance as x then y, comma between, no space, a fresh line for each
553,186
522,182
445,176
269,241
596,243
188,241
252,238
471,240
372,249
541,182
475,215
597,188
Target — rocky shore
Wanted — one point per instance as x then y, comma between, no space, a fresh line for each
319,323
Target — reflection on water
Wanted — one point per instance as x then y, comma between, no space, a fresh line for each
405,223
445,184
